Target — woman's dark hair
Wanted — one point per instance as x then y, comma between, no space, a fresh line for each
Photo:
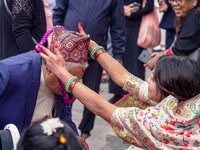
34,139
179,20
178,76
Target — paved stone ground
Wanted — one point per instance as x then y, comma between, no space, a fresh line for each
102,137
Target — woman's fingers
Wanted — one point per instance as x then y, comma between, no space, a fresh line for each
80,28
134,9
60,58
58,54
153,54
44,56
130,5
48,52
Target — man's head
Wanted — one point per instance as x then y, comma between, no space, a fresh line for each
75,69
74,48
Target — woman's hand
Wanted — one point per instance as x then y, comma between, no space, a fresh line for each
128,9
92,44
151,64
55,62
163,6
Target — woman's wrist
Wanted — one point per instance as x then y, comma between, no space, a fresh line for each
64,76
71,83
96,52
92,46
163,53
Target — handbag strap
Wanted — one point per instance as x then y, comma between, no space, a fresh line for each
8,10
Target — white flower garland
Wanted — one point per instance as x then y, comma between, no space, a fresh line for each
51,125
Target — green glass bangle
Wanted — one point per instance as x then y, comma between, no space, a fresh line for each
69,82
94,50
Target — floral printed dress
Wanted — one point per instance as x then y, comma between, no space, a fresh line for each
168,125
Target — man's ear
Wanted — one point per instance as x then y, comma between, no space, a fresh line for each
48,70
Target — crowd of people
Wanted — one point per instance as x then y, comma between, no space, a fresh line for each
50,56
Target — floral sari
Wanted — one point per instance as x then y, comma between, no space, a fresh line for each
168,125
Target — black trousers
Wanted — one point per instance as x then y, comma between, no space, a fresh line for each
92,79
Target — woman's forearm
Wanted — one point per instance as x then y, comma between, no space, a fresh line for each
93,101
88,98
113,68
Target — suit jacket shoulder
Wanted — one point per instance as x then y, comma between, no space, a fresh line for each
20,80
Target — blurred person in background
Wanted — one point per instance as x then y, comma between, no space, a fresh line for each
167,22
187,38
22,25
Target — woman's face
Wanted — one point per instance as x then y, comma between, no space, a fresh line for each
182,7
153,93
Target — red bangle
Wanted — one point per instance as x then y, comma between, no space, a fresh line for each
99,52
169,52
72,84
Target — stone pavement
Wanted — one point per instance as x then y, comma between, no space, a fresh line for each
102,137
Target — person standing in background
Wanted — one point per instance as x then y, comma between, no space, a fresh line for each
187,37
94,17
133,15
167,21
26,20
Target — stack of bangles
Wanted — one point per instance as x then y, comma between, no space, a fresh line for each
96,52
71,83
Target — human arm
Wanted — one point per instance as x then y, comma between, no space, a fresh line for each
155,56
187,39
4,78
117,29
89,98
59,12
115,70
22,13
143,11
128,9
